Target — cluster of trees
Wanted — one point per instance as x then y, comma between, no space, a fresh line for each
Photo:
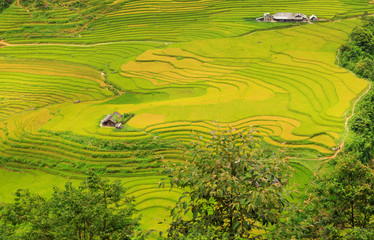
97,209
362,129
44,4
338,205
5,4
83,11
358,56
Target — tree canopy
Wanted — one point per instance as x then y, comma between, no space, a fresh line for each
358,56
339,206
5,4
232,188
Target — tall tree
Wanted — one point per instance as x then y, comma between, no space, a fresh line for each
232,189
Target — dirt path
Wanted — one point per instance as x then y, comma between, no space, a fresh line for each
346,129
348,118
80,45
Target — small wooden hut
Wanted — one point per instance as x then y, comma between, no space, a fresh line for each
109,120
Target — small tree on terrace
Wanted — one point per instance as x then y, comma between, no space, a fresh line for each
232,189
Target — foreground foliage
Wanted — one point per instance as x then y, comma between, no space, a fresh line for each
97,209
339,206
232,189
358,56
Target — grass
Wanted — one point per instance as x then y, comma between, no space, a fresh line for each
36,181
184,68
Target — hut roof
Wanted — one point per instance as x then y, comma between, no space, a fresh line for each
313,16
284,16
110,117
301,16
289,16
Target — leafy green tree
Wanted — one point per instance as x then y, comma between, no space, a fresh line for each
5,4
362,126
97,209
340,205
349,193
232,189
359,234
363,38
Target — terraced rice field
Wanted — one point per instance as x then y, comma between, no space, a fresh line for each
159,20
185,68
149,199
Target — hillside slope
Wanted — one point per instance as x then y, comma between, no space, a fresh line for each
184,68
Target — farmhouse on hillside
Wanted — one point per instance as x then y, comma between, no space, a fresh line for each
285,17
110,121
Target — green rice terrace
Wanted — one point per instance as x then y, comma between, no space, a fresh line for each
184,69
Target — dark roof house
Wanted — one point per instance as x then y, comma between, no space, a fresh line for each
109,120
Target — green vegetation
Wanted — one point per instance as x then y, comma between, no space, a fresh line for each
50,18
5,4
180,67
358,56
36,181
97,209
166,20
232,189
340,205
124,118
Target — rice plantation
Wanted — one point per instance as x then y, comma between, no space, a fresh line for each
184,69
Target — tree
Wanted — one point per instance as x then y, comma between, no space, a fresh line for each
5,4
349,193
362,126
97,209
232,189
340,205
363,38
